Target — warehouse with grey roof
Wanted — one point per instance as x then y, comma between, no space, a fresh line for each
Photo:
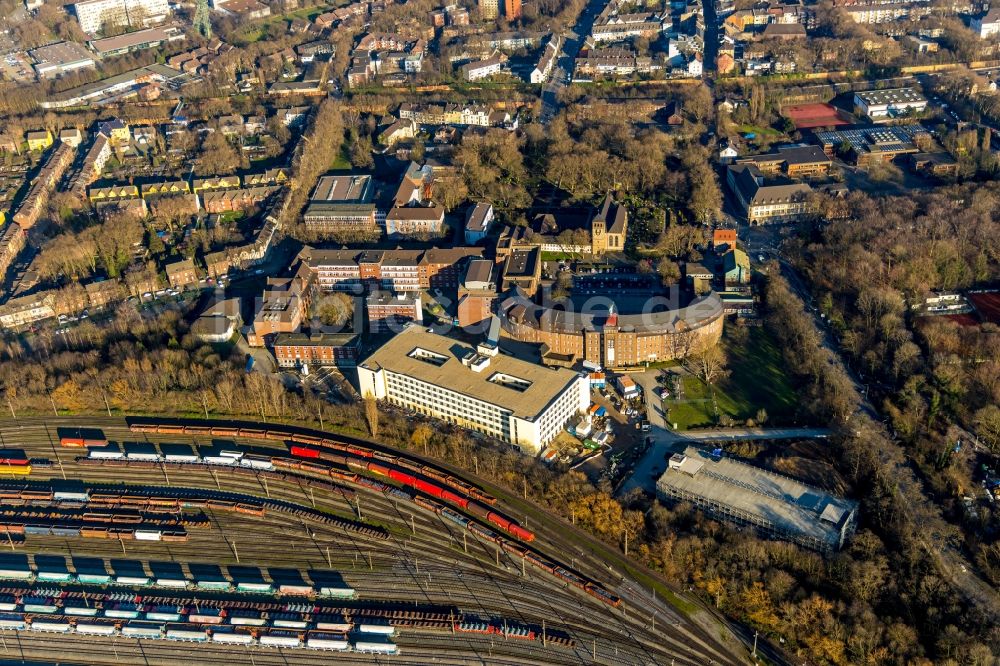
775,505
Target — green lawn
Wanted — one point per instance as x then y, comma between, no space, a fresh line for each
342,160
756,380
759,131
689,415
559,256
758,377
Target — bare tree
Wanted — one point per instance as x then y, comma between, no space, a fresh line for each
334,309
988,426
371,414
709,364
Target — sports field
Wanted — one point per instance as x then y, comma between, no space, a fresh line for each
807,116
987,304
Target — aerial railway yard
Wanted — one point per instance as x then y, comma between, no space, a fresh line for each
418,565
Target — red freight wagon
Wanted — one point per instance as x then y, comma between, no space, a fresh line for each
454,499
428,488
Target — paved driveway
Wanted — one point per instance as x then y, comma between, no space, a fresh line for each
667,441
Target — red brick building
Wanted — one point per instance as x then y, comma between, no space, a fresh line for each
396,270
389,312
339,349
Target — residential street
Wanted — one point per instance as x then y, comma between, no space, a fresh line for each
572,42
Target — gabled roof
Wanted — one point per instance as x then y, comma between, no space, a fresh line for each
475,220
735,258
614,216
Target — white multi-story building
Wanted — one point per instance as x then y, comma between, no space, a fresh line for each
547,62
474,71
518,402
94,14
881,104
988,25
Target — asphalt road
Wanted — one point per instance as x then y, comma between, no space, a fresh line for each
936,538
573,39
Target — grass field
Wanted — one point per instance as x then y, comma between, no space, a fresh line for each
758,130
757,380
342,160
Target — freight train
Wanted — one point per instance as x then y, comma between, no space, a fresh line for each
282,435
198,633
409,479
139,616
321,455
14,462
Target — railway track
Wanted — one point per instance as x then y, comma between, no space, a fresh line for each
425,559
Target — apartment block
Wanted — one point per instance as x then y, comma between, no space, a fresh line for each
93,15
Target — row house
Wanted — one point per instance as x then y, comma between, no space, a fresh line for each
232,200
241,257
547,62
755,19
885,12
165,187
474,71
113,193
181,274
446,114
215,183
309,51
328,19
93,164
135,208
74,298
102,293
382,41
620,27
612,62
23,310
507,41
12,240
45,182
270,177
